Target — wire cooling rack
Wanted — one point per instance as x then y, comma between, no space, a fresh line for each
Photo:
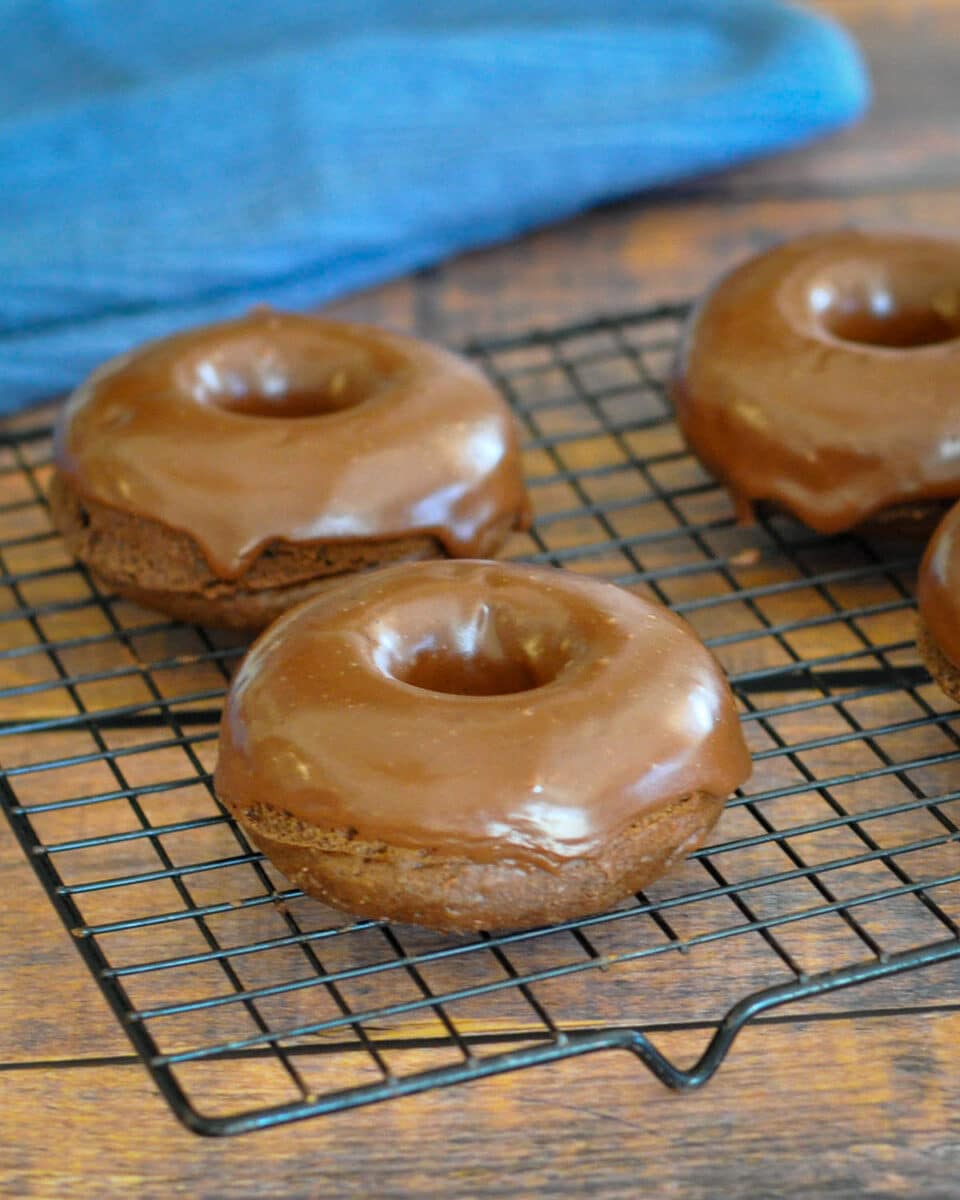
253,1005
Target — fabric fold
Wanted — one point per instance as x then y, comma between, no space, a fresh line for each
160,168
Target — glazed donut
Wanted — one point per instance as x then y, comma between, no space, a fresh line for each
223,474
824,376
938,600
477,745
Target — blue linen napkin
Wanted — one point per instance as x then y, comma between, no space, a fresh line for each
167,164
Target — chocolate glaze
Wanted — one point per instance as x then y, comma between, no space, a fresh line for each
824,375
484,710
283,427
938,586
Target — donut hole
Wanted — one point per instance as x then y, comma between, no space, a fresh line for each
886,308
901,330
470,675
254,378
335,394
488,654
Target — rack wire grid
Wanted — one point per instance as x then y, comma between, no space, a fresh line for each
835,866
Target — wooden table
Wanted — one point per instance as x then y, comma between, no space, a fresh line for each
858,1105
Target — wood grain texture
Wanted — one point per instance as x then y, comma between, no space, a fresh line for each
856,1105
838,1109
629,255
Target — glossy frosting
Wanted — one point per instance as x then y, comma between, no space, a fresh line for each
278,426
824,375
938,586
369,708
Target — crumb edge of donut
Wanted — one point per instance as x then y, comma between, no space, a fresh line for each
162,568
460,895
943,672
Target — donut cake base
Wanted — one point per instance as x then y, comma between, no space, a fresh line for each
937,663
444,893
162,568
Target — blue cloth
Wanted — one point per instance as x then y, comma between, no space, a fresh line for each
163,164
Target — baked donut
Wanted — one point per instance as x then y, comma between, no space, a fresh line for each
477,745
225,473
824,376
938,600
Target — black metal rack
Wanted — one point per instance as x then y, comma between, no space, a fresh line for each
837,865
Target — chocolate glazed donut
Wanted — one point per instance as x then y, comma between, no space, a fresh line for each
476,745
938,599
225,473
824,376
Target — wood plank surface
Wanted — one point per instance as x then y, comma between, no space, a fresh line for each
865,1109
629,255
856,1094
